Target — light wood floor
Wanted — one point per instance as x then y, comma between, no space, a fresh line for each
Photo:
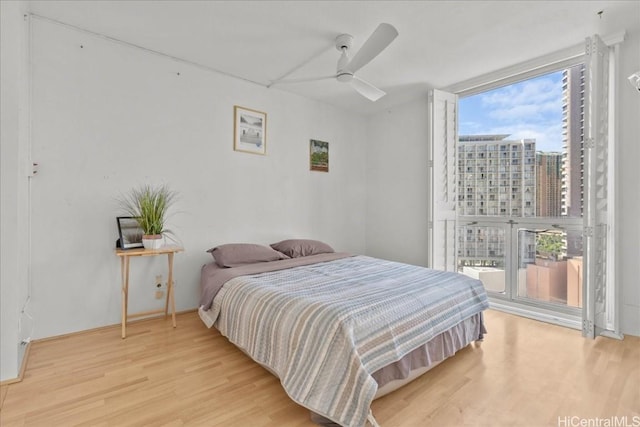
526,373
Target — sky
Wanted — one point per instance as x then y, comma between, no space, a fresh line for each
528,109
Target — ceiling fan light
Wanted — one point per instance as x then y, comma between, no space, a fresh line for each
344,77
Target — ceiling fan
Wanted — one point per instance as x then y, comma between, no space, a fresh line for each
375,44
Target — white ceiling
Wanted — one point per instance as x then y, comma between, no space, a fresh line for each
440,42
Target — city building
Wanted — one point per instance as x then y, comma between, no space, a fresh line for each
496,176
572,193
573,80
549,184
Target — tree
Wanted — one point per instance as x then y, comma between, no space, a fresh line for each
550,245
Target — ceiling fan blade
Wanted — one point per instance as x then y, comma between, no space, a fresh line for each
376,43
366,89
302,80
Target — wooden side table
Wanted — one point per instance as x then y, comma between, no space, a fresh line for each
125,255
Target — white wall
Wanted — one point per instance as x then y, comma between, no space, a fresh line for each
628,204
397,183
12,201
106,117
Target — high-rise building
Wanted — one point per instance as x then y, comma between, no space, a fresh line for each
573,87
496,176
549,184
573,81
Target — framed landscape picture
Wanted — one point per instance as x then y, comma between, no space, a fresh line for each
249,130
319,155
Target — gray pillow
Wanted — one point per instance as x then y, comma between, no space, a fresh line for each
236,254
296,248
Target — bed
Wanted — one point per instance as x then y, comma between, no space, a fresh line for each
338,330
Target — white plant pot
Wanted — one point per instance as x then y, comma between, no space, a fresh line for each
152,242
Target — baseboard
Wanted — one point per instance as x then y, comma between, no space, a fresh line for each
115,325
612,334
23,367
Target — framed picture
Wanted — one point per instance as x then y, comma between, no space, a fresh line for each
129,232
249,130
319,155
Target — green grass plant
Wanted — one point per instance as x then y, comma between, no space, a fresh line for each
149,206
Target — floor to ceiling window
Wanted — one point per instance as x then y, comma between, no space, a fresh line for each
519,172
521,187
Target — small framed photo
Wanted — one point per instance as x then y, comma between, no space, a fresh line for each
249,130
129,232
319,155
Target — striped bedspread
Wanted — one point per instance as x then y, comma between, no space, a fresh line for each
325,328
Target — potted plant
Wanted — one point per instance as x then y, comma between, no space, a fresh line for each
149,206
